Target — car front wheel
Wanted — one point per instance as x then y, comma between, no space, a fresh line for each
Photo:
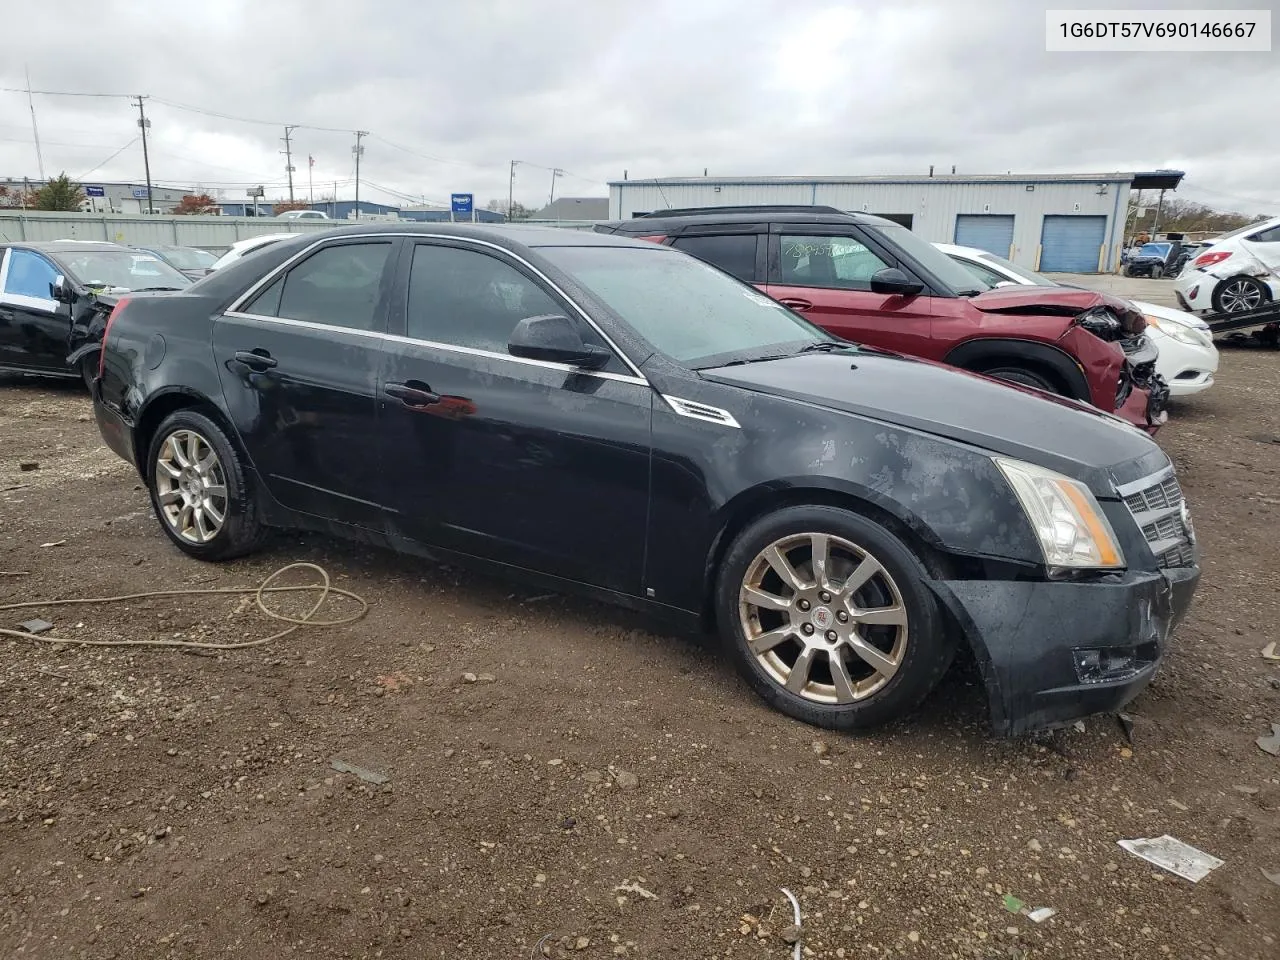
199,489
829,618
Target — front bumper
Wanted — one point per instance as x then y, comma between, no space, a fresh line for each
1036,643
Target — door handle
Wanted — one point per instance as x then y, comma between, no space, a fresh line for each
255,360
410,395
800,306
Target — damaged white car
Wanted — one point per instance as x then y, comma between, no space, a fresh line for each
1237,272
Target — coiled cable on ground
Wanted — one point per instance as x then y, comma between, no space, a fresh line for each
325,588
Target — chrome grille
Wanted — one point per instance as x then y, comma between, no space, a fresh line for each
1157,505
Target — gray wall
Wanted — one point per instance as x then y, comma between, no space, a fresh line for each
933,203
210,233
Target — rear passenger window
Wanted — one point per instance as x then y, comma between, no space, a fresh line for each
338,286
1267,236
470,299
735,254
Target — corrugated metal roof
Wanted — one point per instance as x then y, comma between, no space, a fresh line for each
1113,177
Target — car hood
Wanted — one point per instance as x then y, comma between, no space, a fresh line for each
1077,440
1053,300
1170,314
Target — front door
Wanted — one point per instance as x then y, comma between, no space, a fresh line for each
825,274
299,368
527,463
34,328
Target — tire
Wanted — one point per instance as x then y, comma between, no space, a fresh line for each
184,443
1157,272
89,371
1128,271
1023,377
1238,294
903,657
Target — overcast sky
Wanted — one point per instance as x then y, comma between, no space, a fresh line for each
451,91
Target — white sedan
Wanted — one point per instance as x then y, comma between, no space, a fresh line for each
1238,271
1188,359
242,247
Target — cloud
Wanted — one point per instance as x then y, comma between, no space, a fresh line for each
452,92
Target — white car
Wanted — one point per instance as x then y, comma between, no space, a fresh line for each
1188,359
1238,271
241,247
303,215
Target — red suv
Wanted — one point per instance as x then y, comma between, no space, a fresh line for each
873,281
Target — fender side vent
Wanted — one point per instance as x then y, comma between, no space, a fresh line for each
700,411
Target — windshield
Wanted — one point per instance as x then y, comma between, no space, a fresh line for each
1154,250
960,281
189,258
1008,266
122,270
686,309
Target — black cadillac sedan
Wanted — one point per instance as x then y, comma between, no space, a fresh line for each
615,418
55,299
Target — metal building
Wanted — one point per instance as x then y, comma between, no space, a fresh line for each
1067,223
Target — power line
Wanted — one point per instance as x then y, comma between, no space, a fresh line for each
66,93
227,116
424,156
108,160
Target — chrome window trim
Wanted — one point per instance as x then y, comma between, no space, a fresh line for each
307,324
495,355
264,282
449,347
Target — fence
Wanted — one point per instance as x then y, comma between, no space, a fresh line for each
210,233
215,234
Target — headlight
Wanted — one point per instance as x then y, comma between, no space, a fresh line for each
1178,331
1072,529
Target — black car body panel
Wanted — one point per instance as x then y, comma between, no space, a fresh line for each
628,483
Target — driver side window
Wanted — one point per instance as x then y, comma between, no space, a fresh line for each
466,298
817,261
985,274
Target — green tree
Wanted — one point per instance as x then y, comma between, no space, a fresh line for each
58,194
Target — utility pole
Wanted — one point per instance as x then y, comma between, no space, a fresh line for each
554,173
1155,225
143,124
358,150
288,158
311,187
511,185
35,133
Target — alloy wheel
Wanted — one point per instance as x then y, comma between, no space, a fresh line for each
191,486
1240,295
823,618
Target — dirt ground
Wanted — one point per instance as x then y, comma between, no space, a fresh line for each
615,791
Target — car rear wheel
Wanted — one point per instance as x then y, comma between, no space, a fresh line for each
199,489
828,617
1239,294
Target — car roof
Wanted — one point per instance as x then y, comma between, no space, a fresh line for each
511,236
764,213
54,247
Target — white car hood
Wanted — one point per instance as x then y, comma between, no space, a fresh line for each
1170,314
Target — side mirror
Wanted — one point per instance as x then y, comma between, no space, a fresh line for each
893,280
60,290
555,339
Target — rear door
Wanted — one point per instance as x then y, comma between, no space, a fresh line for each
299,367
34,328
824,272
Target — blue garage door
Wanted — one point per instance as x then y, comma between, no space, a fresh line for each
986,231
1071,244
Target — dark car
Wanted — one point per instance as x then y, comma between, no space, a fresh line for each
1161,258
617,419
55,299
873,281
192,261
